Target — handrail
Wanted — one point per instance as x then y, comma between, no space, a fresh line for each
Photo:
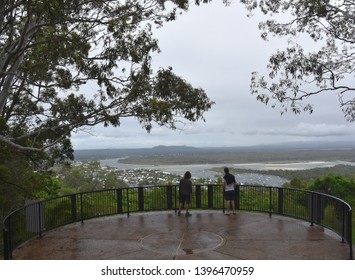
38,217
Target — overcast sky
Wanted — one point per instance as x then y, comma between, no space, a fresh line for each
216,48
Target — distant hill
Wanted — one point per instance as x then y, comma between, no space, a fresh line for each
282,151
174,149
97,154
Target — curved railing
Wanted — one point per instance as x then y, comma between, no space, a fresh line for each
39,217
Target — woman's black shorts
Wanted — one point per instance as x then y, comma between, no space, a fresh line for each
229,195
185,198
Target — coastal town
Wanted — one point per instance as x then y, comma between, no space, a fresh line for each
83,176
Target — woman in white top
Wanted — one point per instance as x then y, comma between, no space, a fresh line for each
229,190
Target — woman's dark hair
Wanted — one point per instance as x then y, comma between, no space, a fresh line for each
226,170
187,175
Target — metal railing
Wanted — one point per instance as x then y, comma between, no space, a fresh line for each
36,218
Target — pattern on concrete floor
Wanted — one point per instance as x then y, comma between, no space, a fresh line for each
186,242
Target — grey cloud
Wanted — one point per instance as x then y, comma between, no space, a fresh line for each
307,130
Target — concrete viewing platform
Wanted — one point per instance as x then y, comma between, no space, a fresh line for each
206,235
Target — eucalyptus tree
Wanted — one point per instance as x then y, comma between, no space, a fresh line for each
66,65
323,65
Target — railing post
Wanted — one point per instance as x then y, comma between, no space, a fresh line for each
119,200
169,197
270,201
312,208
280,198
198,196
40,218
140,199
343,226
237,197
127,201
73,207
317,212
210,196
81,208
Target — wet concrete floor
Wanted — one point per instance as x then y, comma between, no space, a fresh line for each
206,235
